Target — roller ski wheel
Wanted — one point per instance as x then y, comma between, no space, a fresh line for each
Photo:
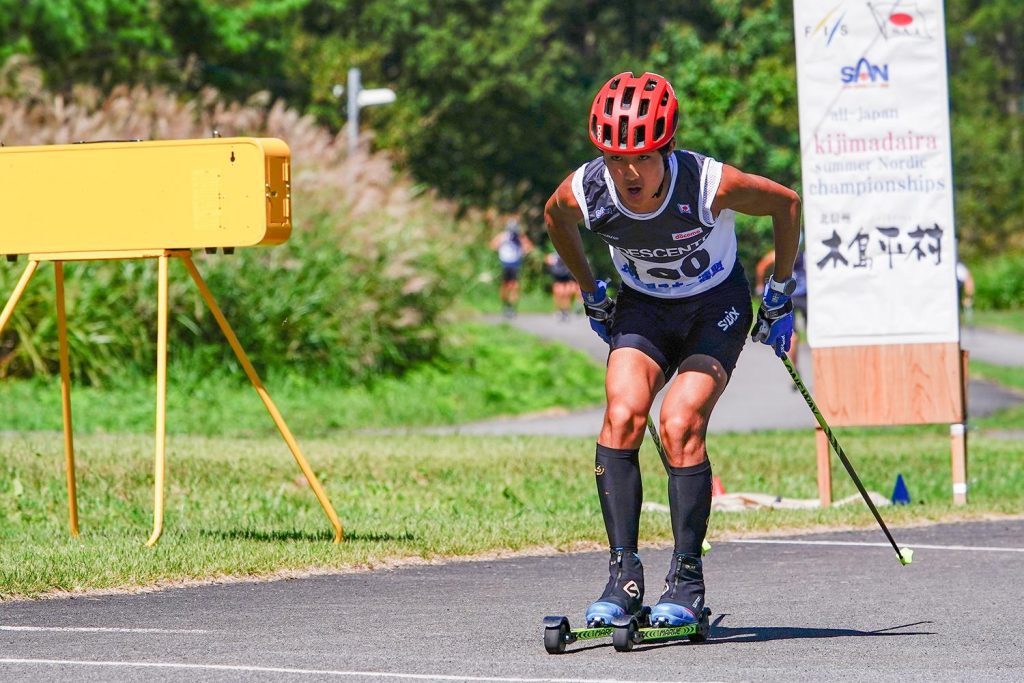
703,627
558,633
625,634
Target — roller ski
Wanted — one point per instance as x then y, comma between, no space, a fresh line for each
558,633
627,633
621,602
680,613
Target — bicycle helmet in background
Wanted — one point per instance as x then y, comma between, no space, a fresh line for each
634,114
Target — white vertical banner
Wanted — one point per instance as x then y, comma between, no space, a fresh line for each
877,172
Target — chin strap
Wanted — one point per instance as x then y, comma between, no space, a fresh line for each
664,157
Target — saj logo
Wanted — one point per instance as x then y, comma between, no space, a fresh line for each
900,20
864,73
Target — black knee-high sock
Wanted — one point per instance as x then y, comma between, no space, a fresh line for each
621,492
689,501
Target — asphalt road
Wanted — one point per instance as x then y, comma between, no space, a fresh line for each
783,611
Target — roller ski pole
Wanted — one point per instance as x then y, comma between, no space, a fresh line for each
905,555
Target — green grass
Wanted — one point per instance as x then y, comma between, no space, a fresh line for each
1009,319
484,372
239,507
1009,377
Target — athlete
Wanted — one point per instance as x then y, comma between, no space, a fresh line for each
511,245
684,308
563,288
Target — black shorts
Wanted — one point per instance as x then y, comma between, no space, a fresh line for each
509,273
714,323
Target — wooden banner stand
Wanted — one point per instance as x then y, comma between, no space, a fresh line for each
897,384
163,256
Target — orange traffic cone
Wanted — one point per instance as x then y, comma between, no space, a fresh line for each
716,487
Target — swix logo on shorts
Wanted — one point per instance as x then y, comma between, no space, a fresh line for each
731,316
631,589
686,235
599,470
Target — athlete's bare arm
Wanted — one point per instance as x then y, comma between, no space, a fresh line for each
755,195
761,270
562,215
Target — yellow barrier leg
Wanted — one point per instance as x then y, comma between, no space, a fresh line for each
19,289
161,404
286,433
65,398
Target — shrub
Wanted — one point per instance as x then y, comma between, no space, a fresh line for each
999,282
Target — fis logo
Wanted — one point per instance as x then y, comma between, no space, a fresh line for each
828,28
631,589
731,316
864,73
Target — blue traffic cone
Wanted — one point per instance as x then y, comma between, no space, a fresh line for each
900,494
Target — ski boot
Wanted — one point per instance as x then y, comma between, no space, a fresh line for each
621,604
682,601
623,596
679,614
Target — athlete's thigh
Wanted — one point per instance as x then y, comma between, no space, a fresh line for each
695,390
709,355
632,380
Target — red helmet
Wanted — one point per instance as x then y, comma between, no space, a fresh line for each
633,115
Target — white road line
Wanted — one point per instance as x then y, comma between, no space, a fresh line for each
987,549
98,629
312,672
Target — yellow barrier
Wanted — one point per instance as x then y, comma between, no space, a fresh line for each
51,226
175,194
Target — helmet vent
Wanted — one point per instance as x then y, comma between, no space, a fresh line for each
639,136
608,104
659,127
645,104
593,125
623,131
650,85
664,98
614,85
607,138
627,97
